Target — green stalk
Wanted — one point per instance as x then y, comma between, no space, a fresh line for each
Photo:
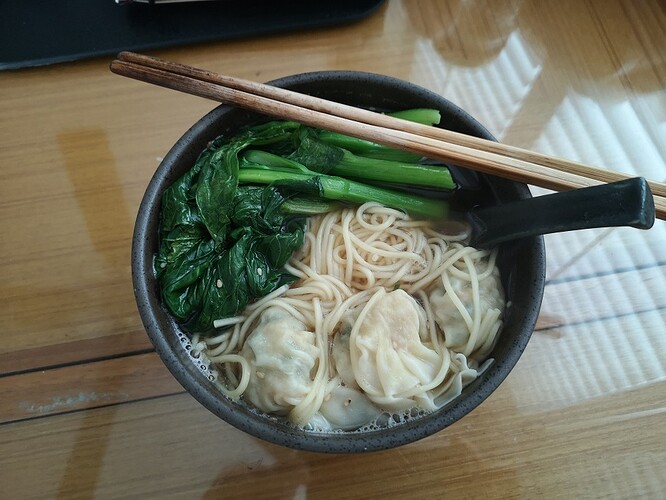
339,189
411,174
358,167
259,157
367,149
307,206
424,116
370,149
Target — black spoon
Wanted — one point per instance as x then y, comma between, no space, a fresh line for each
624,203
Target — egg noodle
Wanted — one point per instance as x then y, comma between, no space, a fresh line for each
354,260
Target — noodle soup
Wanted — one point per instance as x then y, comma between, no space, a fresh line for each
521,268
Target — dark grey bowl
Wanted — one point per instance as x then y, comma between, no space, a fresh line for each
522,266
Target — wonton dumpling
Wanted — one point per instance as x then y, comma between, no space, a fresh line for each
348,409
449,318
463,374
282,355
389,361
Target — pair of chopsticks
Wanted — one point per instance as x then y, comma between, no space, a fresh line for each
444,145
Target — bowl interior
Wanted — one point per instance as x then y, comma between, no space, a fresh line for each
521,263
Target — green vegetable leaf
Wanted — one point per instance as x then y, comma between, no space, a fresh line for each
316,155
222,245
229,225
184,271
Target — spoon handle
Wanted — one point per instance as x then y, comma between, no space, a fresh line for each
624,203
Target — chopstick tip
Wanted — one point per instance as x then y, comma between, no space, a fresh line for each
113,65
124,55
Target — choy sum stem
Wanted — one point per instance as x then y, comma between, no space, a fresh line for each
411,174
370,149
345,164
345,190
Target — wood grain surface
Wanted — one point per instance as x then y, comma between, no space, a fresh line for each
87,409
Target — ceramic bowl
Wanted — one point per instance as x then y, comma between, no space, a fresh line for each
521,263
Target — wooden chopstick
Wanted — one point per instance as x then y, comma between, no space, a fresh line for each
381,120
475,153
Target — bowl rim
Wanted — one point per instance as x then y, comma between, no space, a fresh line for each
153,315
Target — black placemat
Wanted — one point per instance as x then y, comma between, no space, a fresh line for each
40,32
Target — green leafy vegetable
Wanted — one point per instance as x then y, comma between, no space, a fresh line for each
222,245
230,224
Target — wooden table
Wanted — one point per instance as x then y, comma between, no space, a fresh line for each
88,410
